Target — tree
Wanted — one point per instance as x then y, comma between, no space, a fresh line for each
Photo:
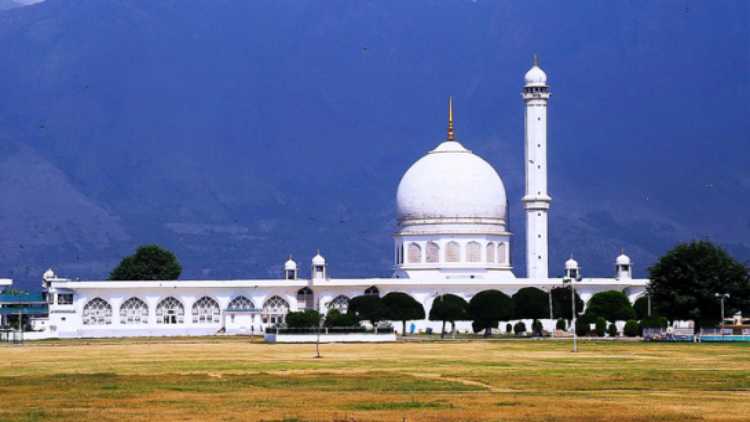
519,328
334,318
631,328
612,330
150,262
561,303
610,305
684,283
641,308
487,308
450,308
531,303
368,308
402,307
303,319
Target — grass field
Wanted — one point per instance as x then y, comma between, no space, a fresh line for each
234,380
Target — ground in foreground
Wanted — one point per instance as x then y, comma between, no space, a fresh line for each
234,379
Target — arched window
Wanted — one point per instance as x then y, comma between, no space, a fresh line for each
170,311
372,290
133,311
97,312
433,252
415,253
305,298
275,310
490,252
473,252
501,253
453,252
340,303
241,303
206,311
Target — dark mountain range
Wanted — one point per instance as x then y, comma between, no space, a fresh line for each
237,132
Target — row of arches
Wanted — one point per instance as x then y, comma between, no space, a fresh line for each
454,253
206,310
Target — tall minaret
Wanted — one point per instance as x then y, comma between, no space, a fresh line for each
536,200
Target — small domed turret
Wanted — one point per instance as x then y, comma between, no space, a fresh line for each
318,259
623,267
48,275
290,269
572,270
319,266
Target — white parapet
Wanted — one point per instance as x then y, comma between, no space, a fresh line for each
330,338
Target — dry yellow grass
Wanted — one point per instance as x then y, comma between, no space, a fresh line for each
233,379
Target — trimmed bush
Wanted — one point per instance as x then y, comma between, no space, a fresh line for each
304,319
530,302
368,308
654,322
449,308
537,328
561,324
631,328
612,330
487,308
402,307
611,305
509,328
519,328
582,327
334,318
600,326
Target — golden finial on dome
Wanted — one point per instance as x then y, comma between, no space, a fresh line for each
451,132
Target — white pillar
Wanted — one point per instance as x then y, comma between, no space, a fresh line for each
536,199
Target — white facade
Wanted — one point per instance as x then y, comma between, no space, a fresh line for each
452,237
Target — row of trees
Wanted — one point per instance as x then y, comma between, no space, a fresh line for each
684,286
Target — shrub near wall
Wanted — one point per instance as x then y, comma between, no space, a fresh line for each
612,330
600,326
561,324
582,327
519,328
631,328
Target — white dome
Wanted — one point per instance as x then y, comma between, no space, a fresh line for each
290,265
571,264
318,260
451,182
623,260
49,274
535,77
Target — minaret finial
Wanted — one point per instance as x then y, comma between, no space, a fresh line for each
536,60
451,131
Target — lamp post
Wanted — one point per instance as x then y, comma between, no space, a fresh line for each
569,281
648,298
572,274
722,297
317,338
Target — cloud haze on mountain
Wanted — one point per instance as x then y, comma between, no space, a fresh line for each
235,133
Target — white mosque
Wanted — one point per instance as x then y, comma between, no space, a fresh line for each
452,237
